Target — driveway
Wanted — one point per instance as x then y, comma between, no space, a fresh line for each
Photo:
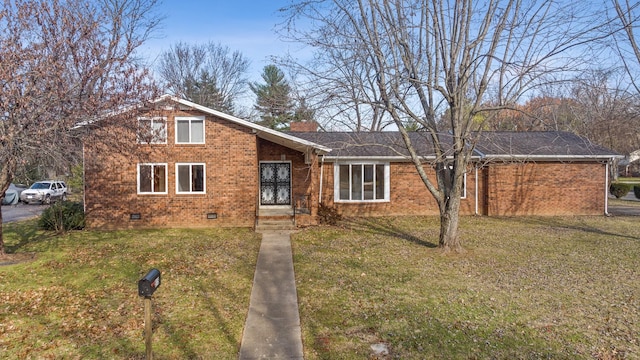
632,209
21,212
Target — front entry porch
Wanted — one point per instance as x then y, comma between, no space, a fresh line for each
283,218
286,184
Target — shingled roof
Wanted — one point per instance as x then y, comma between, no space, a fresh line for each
536,144
552,145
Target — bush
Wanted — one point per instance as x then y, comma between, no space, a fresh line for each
63,216
619,189
636,191
328,215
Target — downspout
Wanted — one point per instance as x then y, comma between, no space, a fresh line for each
321,175
476,181
84,182
606,189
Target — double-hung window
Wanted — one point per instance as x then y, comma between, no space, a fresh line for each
189,129
190,178
368,182
152,178
152,130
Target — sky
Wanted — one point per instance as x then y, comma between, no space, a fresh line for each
244,25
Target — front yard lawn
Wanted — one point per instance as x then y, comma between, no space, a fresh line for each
526,288
78,299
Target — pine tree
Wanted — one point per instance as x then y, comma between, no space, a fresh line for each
274,102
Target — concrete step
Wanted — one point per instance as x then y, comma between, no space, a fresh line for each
275,224
275,212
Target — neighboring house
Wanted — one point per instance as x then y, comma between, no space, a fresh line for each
193,166
630,165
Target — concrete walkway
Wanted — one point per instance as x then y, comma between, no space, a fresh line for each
272,329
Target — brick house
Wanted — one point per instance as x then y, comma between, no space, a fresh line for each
191,166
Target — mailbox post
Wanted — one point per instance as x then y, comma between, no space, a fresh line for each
146,287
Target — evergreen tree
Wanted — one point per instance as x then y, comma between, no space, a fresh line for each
274,102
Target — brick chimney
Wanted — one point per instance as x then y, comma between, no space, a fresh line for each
303,126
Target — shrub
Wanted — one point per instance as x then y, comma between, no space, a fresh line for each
328,215
63,216
75,181
619,189
636,191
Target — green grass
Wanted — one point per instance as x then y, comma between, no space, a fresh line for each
629,180
78,297
622,202
526,288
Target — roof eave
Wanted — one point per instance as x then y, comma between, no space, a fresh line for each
384,158
485,157
551,157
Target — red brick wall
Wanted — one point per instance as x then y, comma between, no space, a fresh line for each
545,189
231,159
503,190
302,126
408,194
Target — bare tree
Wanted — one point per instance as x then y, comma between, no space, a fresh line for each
209,74
63,62
342,88
431,56
627,17
606,110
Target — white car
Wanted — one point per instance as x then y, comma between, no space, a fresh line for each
44,192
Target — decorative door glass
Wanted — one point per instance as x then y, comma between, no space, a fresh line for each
275,184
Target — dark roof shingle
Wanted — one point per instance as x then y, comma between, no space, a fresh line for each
490,144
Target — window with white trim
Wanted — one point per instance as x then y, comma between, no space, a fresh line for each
364,182
152,178
190,178
152,130
189,129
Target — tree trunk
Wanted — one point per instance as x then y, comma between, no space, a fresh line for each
2,252
5,181
449,221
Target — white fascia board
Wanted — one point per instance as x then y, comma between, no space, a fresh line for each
553,157
330,158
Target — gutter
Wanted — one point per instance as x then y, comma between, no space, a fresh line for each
483,157
553,157
383,158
